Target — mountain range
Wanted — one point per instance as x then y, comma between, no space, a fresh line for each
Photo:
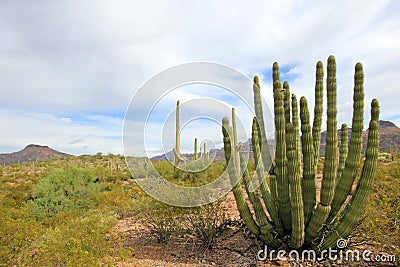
389,141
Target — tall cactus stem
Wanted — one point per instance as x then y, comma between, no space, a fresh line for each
177,149
265,191
354,209
309,187
280,153
296,199
205,155
318,109
331,150
343,150
354,155
241,203
195,155
295,123
266,156
286,100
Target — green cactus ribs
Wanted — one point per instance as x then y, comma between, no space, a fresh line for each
285,206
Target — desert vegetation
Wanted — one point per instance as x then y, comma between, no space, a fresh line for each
89,211
87,235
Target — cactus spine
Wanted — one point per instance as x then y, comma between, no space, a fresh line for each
290,199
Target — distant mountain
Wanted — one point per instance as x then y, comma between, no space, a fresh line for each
389,138
389,141
31,153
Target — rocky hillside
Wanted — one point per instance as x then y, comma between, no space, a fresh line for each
389,138
31,153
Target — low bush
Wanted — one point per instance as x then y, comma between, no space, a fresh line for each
206,222
75,240
63,190
163,221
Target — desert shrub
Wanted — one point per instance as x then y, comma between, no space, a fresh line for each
18,231
102,173
63,190
163,220
206,222
118,198
76,240
17,195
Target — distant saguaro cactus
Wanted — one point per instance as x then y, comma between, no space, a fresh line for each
177,148
290,198
195,154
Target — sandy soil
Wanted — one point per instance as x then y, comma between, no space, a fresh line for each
234,247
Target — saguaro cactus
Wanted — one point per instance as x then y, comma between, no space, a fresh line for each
290,196
195,155
177,148
205,155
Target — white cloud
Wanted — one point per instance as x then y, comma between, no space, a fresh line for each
74,57
102,134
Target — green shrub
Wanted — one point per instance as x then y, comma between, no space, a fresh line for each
118,198
163,220
18,231
205,222
63,190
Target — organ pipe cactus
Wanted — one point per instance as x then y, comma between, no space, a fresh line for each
291,206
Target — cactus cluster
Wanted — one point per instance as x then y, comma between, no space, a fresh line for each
292,207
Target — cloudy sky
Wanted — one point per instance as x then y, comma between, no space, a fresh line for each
68,69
